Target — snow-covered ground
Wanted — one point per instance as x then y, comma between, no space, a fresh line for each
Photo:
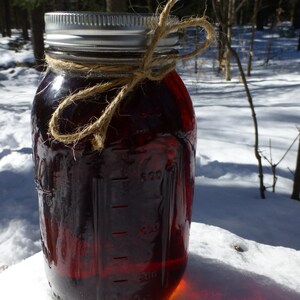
242,247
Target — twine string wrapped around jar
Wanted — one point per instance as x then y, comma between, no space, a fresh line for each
146,70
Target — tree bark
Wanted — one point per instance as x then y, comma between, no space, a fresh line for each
24,24
6,18
230,15
296,187
253,21
251,104
296,16
220,11
116,5
262,187
262,16
2,29
37,33
221,48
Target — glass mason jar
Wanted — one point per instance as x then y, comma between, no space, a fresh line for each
114,222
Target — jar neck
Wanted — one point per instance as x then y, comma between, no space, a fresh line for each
111,64
107,57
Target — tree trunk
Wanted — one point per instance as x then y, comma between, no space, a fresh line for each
250,54
221,48
250,101
24,24
255,124
37,32
296,16
219,10
230,16
2,26
296,187
5,18
116,5
261,17
253,21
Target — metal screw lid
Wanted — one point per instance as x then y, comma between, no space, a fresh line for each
103,32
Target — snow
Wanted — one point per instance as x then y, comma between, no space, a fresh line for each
11,54
241,247
215,271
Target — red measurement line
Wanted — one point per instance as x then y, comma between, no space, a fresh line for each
120,232
120,257
119,179
121,280
120,206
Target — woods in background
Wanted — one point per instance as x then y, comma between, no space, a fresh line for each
28,14
28,17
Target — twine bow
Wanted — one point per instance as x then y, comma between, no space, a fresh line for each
99,127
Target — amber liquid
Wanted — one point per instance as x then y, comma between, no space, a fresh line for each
115,223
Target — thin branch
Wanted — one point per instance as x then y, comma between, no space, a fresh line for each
240,6
296,186
250,101
274,166
270,149
288,150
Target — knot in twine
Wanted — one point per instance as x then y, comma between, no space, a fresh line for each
145,70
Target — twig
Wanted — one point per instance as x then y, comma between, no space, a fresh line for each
274,166
262,188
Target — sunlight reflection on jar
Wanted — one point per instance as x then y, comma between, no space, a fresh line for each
186,290
58,82
191,289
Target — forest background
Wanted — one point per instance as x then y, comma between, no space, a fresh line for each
28,17
233,233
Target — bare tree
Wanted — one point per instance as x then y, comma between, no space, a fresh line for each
253,22
36,16
296,187
225,11
37,31
275,165
24,24
250,101
230,16
262,187
220,10
296,19
5,17
296,14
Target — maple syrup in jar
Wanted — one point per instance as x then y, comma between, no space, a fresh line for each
114,222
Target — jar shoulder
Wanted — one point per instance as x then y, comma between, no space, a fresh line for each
151,107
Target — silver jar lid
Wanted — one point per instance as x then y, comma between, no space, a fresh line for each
104,32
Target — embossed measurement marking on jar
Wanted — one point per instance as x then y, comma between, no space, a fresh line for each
119,213
120,206
136,206
120,233
121,257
